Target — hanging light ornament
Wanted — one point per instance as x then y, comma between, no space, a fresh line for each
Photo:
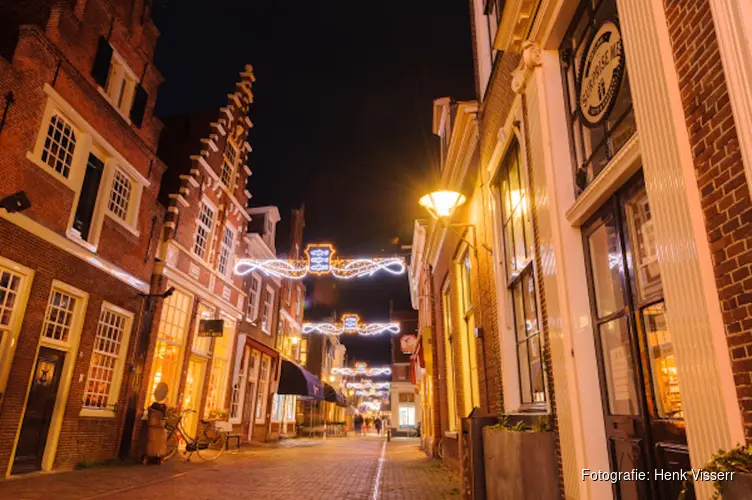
320,261
362,369
351,324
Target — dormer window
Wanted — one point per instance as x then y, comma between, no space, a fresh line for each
118,83
121,84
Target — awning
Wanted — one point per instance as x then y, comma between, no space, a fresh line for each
295,379
334,396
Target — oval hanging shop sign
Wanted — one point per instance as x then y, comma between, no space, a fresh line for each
601,72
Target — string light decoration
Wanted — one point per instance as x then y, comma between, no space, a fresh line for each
371,393
368,385
362,369
351,324
319,261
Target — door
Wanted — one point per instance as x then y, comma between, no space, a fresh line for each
194,383
638,376
39,407
249,399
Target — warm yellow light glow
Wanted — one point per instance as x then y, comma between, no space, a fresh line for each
331,378
442,203
294,340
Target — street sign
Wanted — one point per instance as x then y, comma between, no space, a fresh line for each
211,327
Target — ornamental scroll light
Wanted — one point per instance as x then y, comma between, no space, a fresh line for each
350,324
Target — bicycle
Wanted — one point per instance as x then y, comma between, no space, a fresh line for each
209,444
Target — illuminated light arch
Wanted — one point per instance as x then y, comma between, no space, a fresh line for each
350,324
370,372
320,261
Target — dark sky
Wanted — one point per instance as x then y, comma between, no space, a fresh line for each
342,115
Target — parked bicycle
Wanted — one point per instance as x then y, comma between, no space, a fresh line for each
209,443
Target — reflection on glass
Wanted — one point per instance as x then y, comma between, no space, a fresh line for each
644,252
524,361
607,268
618,365
662,363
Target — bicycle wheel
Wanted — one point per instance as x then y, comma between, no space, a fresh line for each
211,444
173,441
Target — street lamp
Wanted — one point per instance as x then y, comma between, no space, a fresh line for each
441,204
331,378
16,202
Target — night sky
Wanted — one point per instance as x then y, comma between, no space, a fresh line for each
342,115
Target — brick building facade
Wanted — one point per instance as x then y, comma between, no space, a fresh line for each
610,137
79,137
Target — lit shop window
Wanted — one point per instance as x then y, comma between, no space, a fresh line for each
220,368
168,352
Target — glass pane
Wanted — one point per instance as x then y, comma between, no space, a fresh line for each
504,194
662,363
519,311
607,267
643,247
528,294
514,171
536,369
520,256
509,249
524,368
619,368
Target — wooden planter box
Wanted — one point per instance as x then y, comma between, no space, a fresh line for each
520,465
738,489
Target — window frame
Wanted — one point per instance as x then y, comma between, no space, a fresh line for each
9,339
449,355
118,371
468,345
229,250
254,297
262,399
229,165
267,317
205,253
130,82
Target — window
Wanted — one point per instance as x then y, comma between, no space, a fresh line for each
446,304
290,409
203,230
288,296
278,405
518,250
254,297
121,85
407,416
14,288
238,390
59,145
266,312
263,385
168,352
228,165
120,195
301,302
220,368
106,366
303,351
201,345
406,397
599,102
225,253
469,349
58,319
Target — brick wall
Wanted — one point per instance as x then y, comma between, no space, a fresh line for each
724,188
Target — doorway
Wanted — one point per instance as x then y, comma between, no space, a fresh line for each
639,383
39,408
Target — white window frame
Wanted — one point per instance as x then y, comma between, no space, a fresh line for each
226,252
267,313
9,340
88,141
120,73
262,388
210,230
254,298
130,219
117,375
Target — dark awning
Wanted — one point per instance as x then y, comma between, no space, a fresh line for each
295,379
334,396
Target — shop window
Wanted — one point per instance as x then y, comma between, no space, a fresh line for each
263,386
220,368
168,352
446,308
596,87
407,416
517,236
106,367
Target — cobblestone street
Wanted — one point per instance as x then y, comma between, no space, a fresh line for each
344,468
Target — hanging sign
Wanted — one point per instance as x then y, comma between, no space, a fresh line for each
211,327
408,343
600,75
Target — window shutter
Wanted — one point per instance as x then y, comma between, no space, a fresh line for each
102,62
139,106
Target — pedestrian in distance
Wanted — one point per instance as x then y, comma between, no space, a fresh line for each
377,424
358,423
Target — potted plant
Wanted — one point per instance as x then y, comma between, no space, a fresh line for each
220,419
520,459
731,473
